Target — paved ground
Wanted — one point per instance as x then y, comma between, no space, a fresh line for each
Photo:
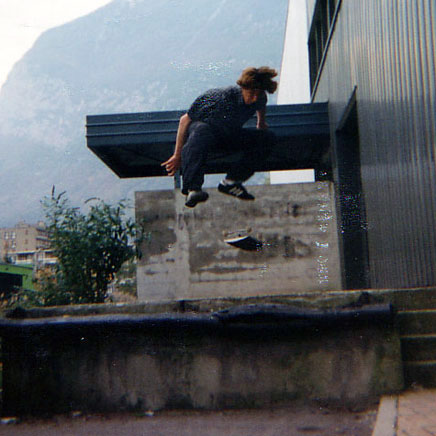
413,413
293,421
417,413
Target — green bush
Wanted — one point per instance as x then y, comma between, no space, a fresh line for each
90,249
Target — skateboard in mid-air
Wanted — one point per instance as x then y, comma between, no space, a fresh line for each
243,240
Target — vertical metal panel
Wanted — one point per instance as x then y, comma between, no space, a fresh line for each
386,49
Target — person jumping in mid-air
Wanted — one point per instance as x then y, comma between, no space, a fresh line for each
215,122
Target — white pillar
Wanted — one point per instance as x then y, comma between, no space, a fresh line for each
294,85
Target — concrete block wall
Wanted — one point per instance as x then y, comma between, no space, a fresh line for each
186,257
195,360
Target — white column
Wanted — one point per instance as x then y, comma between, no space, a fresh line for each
294,85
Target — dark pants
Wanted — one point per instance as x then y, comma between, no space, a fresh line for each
254,144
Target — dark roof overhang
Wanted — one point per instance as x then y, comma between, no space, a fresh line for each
135,144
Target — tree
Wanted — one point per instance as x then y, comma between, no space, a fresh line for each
90,248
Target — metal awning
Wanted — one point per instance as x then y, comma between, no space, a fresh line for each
134,145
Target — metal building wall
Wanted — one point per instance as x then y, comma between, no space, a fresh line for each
385,48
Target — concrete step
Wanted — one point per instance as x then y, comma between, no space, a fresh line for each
418,347
416,319
409,299
421,373
401,299
417,322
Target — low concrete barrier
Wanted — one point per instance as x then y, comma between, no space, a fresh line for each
186,256
243,356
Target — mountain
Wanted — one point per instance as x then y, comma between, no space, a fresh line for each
129,56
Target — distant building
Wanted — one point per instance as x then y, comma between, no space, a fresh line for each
373,62
26,244
13,277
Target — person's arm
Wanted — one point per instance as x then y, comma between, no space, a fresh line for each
173,163
261,122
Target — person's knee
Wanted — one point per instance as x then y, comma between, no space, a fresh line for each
200,137
198,143
200,129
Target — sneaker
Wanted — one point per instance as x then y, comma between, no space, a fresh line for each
195,197
236,190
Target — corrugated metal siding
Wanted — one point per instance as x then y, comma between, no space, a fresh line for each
386,49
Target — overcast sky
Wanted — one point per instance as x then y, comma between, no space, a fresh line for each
22,21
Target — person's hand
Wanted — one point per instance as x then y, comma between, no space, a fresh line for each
262,125
172,164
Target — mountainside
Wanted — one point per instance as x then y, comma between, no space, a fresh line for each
129,56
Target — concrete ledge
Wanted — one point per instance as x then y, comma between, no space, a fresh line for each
386,423
267,316
249,356
407,298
